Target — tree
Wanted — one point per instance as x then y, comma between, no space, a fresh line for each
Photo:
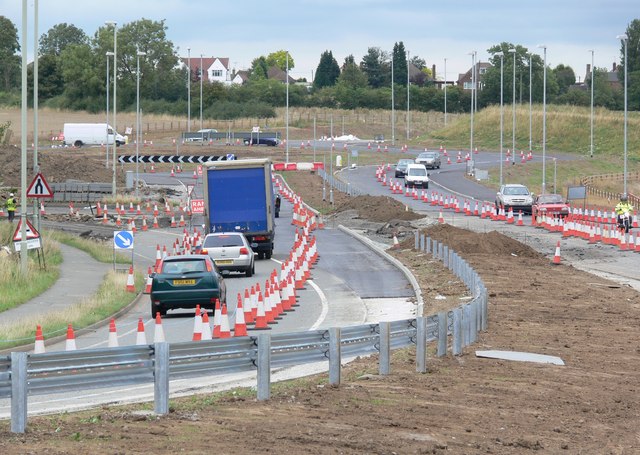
633,70
9,46
565,77
327,72
59,37
259,68
279,59
351,84
419,63
375,66
399,64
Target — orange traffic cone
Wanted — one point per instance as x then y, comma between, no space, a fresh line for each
131,285
240,327
206,328
556,256
396,244
71,339
141,337
440,218
225,328
197,325
147,288
246,304
217,319
113,334
261,319
158,334
520,222
38,347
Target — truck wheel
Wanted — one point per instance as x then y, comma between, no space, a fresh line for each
77,144
268,254
249,271
260,255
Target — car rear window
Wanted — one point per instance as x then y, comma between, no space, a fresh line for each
179,267
417,171
223,240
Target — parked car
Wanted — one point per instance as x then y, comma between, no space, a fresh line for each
416,176
200,135
401,167
186,281
230,251
515,196
431,160
379,138
550,204
270,141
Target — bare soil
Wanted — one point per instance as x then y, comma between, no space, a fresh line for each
464,405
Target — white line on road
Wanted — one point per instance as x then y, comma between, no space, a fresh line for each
325,305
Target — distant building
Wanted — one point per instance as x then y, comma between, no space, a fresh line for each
240,77
280,75
612,76
464,80
216,69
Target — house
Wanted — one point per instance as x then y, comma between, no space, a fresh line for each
612,76
216,69
240,77
464,80
280,75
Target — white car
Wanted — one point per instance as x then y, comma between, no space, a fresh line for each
230,251
515,196
416,175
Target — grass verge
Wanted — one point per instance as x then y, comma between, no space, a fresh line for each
100,251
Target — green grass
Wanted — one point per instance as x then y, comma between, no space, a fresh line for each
100,251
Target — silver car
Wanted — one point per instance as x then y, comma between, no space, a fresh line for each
230,251
431,160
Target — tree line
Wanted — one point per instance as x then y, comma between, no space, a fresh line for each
73,75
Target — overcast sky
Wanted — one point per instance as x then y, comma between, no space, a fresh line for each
434,30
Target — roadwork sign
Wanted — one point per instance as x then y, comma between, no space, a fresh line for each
123,240
39,187
33,237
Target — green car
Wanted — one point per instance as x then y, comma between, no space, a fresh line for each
184,282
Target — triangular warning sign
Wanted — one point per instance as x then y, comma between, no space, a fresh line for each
39,187
31,232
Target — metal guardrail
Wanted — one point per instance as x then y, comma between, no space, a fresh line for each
23,374
339,185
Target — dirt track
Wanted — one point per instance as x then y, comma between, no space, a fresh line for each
463,405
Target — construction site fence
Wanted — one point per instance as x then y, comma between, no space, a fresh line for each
590,180
344,187
23,374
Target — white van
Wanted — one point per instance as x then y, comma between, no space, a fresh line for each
416,175
79,134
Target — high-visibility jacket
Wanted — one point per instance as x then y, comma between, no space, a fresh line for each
623,207
11,204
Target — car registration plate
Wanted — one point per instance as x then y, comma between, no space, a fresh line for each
183,282
224,261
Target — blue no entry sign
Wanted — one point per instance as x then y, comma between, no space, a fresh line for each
123,240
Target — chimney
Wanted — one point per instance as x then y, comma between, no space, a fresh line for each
433,71
588,68
615,67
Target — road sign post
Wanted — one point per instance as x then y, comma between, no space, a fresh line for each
122,240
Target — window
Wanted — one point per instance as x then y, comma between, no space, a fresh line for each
468,85
483,70
216,73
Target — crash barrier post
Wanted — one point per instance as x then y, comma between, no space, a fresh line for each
385,348
161,378
421,345
264,367
442,333
334,356
18,392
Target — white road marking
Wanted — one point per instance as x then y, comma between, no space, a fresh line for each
325,305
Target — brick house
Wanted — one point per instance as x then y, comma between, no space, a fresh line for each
464,80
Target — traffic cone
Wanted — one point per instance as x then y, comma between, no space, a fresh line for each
440,218
240,326
556,256
38,347
147,288
141,337
217,319
225,328
173,221
158,334
144,224
520,222
261,318
71,339
131,286
113,335
206,328
155,224
246,305
42,211
181,223
396,244
197,325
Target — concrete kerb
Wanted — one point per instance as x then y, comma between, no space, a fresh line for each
382,253
78,332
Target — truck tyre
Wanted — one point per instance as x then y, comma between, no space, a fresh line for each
260,255
268,254
77,144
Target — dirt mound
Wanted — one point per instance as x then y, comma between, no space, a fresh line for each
489,243
378,208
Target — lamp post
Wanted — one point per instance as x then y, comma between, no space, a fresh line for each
202,142
393,112
544,119
530,100
625,40
445,92
513,109
473,90
115,85
501,55
592,81
408,112
106,130
188,89
287,111
138,55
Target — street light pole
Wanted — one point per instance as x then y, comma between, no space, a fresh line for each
287,89
393,112
513,109
530,101
408,112
138,55
544,119
115,84
592,83
445,92
188,89
625,40
201,94
106,130
473,90
501,55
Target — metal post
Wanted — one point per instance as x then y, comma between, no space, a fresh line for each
445,92
335,356
625,40
513,110
36,212
473,90
456,348
138,55
106,132
19,388
501,54
287,110
530,100
189,89
442,334
201,94
314,138
393,109
591,120
421,345
115,84
161,378
408,112
264,367
385,348
544,120
23,156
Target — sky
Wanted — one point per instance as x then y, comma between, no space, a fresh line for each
433,30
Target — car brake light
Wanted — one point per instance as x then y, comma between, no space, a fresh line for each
209,266
244,250
259,237
203,251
